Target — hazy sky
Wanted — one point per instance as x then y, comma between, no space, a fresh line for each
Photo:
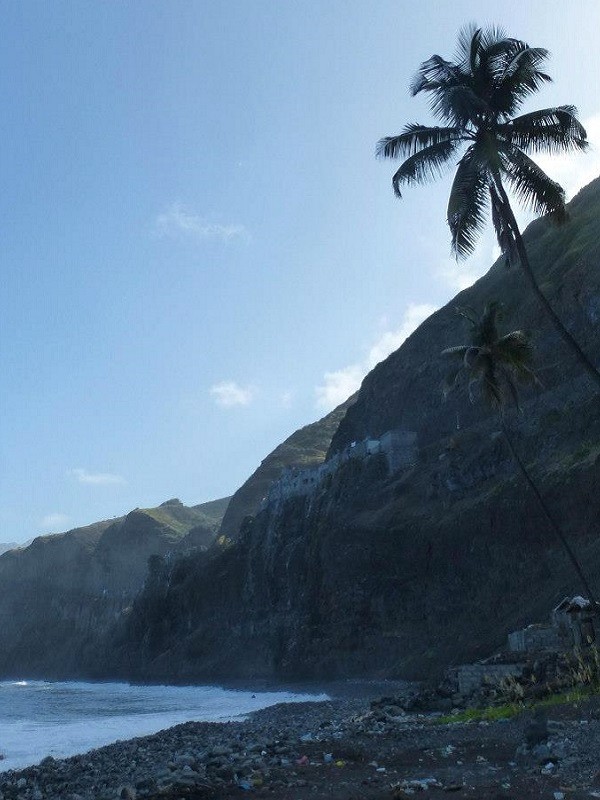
199,251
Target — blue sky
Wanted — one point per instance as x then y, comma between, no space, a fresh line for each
199,251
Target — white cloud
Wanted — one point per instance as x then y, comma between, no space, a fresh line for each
286,399
390,341
575,170
229,394
55,522
96,478
178,221
459,274
339,385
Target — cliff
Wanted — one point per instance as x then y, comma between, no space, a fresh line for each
399,573
62,591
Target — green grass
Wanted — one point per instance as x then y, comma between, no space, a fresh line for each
489,714
163,517
510,710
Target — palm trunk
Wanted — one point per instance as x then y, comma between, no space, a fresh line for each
586,362
553,524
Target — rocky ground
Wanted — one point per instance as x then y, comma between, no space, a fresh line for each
344,749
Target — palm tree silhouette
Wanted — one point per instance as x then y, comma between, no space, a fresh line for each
496,365
476,98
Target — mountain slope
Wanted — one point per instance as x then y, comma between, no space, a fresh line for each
397,574
63,590
404,390
306,447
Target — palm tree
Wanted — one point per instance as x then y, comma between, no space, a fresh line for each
496,365
476,97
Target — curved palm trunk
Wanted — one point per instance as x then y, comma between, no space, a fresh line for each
586,362
553,524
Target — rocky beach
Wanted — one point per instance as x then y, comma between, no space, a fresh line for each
345,748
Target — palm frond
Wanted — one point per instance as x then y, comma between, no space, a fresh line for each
492,37
467,204
509,388
434,73
468,313
423,166
518,76
523,59
491,386
459,105
532,186
467,46
473,382
497,53
491,363
450,381
550,130
414,138
458,351
515,348
475,47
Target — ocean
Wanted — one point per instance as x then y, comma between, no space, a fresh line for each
59,719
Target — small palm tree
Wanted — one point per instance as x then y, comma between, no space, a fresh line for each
497,365
476,97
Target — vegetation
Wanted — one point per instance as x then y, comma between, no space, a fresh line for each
494,713
476,97
496,365
583,683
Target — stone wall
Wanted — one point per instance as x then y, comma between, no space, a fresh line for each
534,637
471,677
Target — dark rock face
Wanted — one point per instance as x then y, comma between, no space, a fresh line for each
404,390
399,575
63,591
379,576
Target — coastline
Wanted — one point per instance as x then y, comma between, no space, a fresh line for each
339,748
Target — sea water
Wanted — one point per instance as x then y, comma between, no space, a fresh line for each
59,719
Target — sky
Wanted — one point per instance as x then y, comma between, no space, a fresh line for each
200,253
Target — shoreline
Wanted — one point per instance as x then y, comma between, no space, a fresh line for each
350,687
339,748
100,713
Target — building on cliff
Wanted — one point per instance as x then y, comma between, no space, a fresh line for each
399,447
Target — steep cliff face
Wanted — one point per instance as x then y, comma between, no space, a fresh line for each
62,591
306,447
379,575
399,574
404,390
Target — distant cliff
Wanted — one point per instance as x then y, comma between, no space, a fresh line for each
386,573
62,591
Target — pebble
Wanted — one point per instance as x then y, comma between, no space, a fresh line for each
262,753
